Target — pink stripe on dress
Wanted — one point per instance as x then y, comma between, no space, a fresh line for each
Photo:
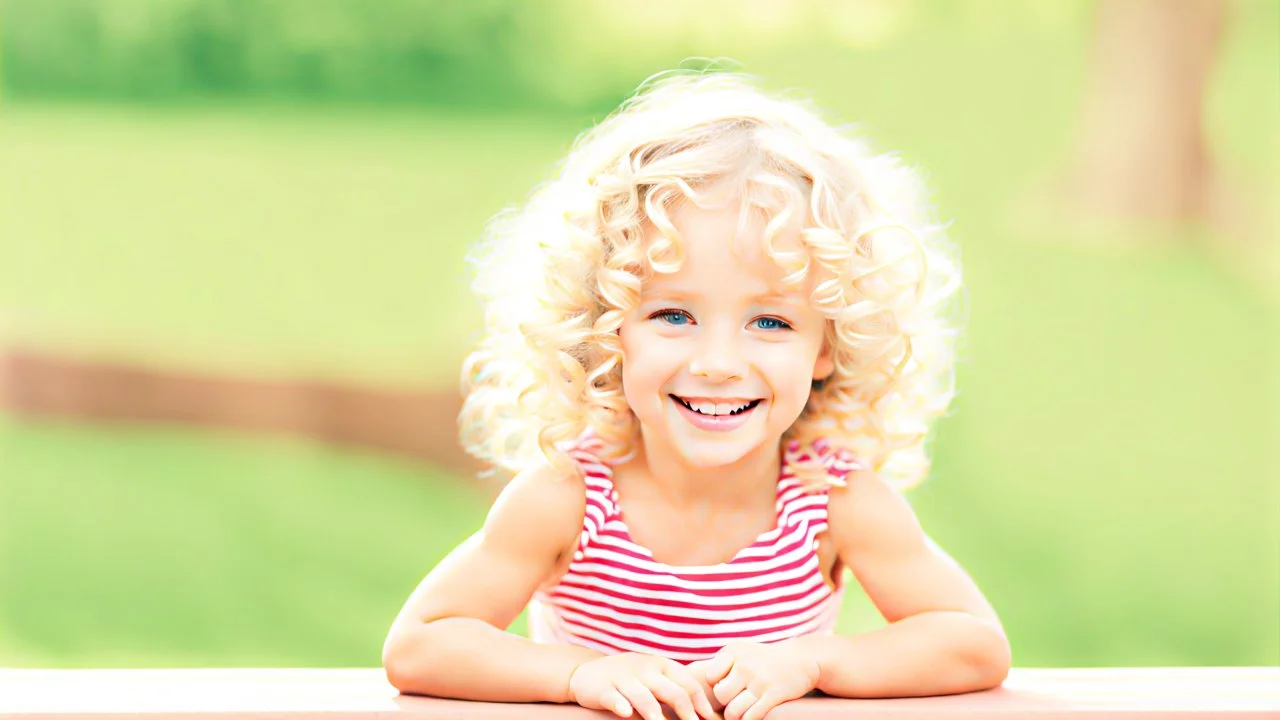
615,597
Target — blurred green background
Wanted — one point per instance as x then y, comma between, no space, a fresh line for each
287,188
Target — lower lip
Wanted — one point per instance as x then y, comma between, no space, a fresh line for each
717,423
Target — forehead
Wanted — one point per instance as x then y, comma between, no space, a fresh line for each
723,236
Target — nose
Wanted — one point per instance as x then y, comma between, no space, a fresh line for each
719,358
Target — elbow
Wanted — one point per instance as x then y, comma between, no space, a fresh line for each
989,656
994,668
395,663
405,663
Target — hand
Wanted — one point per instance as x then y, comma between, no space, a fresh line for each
636,682
752,678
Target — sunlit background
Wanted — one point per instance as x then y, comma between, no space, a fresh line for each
233,301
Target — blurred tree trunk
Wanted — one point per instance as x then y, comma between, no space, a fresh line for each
1141,151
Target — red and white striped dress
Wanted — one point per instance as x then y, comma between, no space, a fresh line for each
615,597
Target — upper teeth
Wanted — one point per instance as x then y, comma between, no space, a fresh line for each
709,408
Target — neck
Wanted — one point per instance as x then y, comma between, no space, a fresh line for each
737,483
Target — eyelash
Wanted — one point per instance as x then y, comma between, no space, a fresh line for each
666,316
782,324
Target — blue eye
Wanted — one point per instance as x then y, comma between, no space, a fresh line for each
672,317
771,323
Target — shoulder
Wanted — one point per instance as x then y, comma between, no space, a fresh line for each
540,508
868,514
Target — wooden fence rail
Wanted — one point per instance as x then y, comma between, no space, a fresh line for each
363,694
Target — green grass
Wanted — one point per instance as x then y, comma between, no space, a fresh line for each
1104,475
159,547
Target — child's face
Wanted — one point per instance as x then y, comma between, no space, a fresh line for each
719,357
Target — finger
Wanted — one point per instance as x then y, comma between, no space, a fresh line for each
696,689
737,708
730,687
698,667
717,667
699,674
768,701
614,702
641,698
667,690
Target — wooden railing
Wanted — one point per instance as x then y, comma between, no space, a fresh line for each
363,694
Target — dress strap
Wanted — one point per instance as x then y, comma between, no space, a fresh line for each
798,503
599,494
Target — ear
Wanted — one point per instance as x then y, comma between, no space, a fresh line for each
825,364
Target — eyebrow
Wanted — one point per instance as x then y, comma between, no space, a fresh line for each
682,295
676,294
775,299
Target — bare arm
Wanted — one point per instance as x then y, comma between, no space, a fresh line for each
449,639
943,637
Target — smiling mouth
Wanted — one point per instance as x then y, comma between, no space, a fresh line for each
716,409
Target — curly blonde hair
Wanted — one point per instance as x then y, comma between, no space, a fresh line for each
558,276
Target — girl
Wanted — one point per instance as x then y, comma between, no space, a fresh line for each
714,346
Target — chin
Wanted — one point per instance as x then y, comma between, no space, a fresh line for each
710,453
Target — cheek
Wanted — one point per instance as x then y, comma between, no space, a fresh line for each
640,373
788,371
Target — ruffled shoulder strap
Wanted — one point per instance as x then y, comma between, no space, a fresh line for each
601,497
800,499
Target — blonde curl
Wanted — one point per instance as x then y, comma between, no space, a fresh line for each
558,276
